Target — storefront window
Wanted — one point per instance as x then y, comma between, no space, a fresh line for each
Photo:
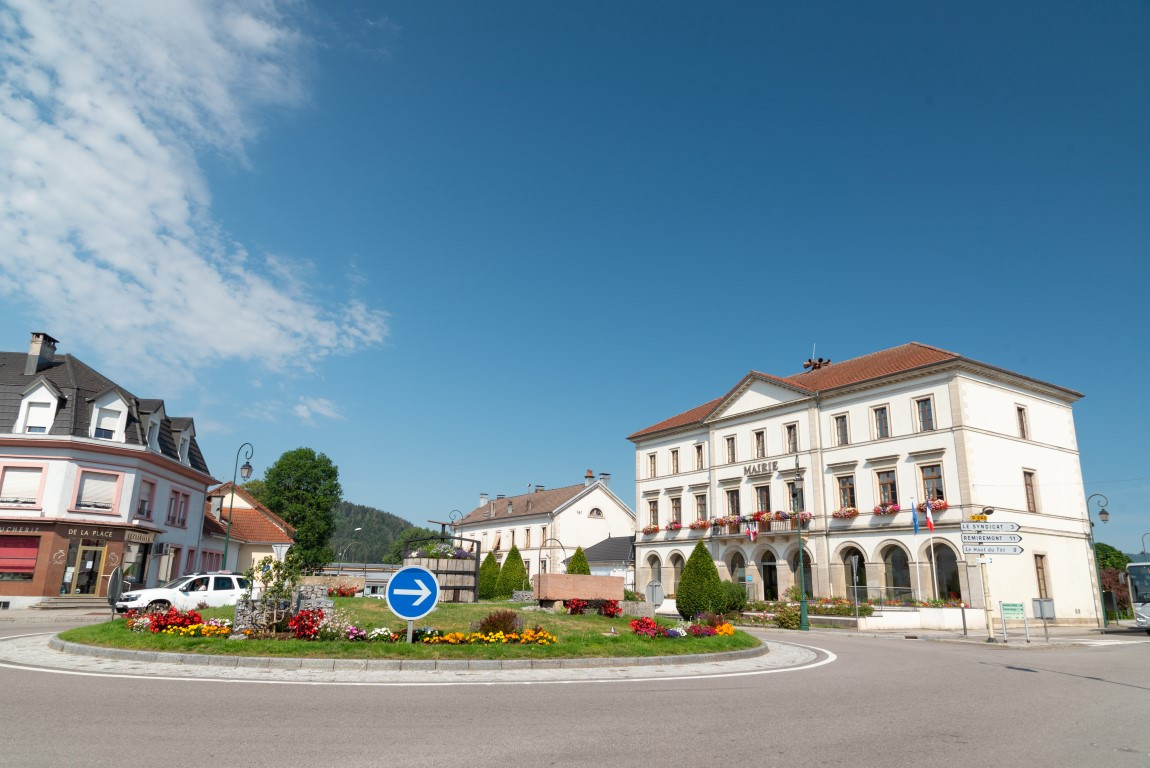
18,557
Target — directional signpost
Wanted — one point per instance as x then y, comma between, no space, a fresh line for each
1005,527
991,549
412,593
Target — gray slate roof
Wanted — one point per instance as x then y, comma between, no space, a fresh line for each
613,549
79,384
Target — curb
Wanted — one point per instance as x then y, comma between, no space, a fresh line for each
395,665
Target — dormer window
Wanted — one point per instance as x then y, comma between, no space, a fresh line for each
37,408
109,417
153,435
106,421
185,442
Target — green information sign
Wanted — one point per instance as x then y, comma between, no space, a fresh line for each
1012,610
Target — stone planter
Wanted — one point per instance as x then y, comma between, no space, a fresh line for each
550,588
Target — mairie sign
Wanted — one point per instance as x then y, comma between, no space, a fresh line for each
412,592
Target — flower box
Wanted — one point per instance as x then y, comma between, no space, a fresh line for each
845,513
887,509
938,505
650,529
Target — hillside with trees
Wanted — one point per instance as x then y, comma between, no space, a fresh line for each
381,540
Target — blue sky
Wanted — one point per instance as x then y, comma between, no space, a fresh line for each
465,247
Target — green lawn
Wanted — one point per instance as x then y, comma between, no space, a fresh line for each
585,636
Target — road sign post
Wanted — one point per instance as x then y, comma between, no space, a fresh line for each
412,593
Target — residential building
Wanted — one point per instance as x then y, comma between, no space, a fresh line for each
546,526
255,531
91,478
857,446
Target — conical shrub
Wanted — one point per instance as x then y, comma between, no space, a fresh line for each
488,577
512,575
579,564
700,589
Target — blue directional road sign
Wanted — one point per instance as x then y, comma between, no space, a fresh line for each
412,592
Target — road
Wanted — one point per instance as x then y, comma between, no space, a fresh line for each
880,702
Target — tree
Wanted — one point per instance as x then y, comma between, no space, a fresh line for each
1109,557
488,577
303,488
512,575
700,589
579,564
401,546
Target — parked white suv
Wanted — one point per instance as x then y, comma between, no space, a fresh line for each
187,592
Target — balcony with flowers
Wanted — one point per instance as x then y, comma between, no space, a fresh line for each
887,508
846,513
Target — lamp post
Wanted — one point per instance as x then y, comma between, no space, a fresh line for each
245,472
796,496
1144,542
1103,515
342,552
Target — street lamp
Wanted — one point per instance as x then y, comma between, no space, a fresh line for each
1103,515
342,552
796,496
245,472
1144,542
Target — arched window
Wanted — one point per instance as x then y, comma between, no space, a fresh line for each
656,570
738,568
769,568
855,582
676,574
897,577
807,581
945,567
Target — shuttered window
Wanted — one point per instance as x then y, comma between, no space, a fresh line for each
39,418
106,421
20,485
97,491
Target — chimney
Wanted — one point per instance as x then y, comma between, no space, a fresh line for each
483,499
588,478
605,479
41,351
538,488
501,496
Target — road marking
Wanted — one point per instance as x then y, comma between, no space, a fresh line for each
1111,642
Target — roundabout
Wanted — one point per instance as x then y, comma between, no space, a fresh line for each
44,652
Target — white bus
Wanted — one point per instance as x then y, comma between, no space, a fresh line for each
1138,579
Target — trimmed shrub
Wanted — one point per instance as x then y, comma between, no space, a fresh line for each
512,575
734,597
505,621
488,576
700,588
787,616
578,564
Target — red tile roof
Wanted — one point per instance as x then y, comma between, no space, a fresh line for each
257,524
873,366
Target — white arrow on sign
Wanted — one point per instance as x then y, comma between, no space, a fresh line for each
991,549
423,592
989,527
991,538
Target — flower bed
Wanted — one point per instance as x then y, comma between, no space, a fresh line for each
648,627
181,623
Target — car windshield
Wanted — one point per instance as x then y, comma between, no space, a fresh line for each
174,583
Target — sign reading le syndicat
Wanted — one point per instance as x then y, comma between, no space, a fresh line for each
989,526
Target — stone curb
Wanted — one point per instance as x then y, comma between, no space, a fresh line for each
395,665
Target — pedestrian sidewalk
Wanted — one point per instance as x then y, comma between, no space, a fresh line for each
1015,636
54,616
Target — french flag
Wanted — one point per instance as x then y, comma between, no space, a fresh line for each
929,518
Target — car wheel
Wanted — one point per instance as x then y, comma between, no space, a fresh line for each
158,606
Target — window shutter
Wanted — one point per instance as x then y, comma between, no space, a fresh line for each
97,491
39,417
107,419
21,485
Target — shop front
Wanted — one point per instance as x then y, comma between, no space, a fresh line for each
42,560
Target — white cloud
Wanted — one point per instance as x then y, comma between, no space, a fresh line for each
309,407
106,230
